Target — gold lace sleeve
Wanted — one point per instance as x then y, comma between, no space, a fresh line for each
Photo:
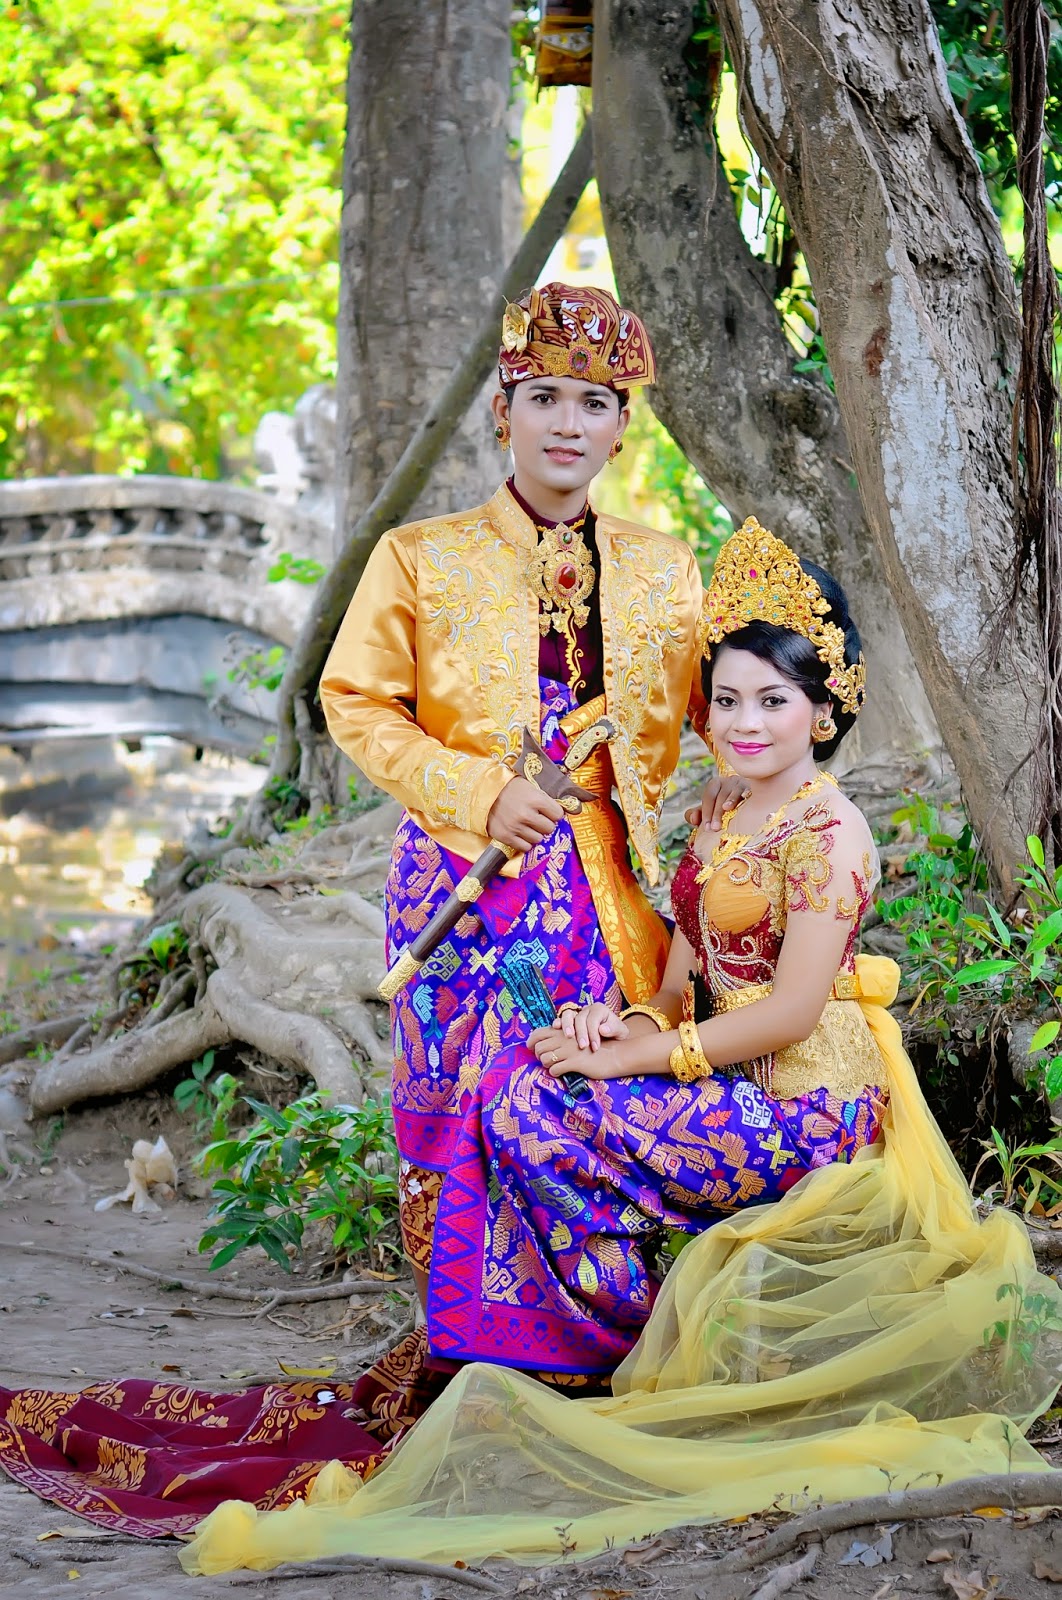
829,864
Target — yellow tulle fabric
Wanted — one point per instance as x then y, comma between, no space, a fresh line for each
839,1342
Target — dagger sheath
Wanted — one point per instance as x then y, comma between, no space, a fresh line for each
552,778
466,892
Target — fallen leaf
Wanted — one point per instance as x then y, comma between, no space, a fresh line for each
381,1277
78,1530
1047,1573
989,1511
53,1533
525,1584
292,1371
648,1552
941,1554
870,1555
967,1585
73,1573
245,1372
171,1366
604,1594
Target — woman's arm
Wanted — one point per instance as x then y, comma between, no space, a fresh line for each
825,892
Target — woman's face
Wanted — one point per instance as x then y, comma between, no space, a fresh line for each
760,721
561,430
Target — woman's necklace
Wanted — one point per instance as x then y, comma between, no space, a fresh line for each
730,843
561,575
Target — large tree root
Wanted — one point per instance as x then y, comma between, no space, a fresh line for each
291,979
56,1031
1012,1490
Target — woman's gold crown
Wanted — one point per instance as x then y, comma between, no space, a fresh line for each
757,578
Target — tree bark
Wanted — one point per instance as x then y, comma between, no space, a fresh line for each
848,106
422,240
768,440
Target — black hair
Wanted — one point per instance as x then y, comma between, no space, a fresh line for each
622,395
794,656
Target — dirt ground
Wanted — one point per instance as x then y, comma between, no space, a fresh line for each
75,1318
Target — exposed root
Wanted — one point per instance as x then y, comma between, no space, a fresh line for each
295,980
1012,1490
782,1579
13,1046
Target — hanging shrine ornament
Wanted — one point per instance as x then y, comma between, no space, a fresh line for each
561,575
564,43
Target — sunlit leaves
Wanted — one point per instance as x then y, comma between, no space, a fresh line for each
147,151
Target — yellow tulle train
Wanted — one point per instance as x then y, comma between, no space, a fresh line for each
868,1331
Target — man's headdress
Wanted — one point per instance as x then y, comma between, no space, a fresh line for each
757,578
563,331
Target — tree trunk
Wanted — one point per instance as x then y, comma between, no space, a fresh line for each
426,197
848,106
768,440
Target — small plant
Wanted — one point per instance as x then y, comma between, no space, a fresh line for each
311,1162
1034,1315
209,1100
1022,1176
300,569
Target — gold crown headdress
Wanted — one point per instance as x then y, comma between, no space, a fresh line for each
757,578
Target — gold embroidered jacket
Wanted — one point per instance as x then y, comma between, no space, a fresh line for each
434,673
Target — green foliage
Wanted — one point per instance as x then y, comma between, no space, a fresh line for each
165,945
1034,1316
972,40
300,569
310,1162
1022,1176
260,669
963,950
173,170
209,1099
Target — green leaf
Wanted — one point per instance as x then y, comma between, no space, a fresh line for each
1045,1034
1053,1078
978,971
268,1114
1048,931
226,1254
1036,850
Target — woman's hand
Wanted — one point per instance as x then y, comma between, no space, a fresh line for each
720,794
560,1053
590,1024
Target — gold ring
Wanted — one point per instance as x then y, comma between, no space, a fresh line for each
552,1059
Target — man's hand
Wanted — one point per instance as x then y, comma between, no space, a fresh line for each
720,794
522,816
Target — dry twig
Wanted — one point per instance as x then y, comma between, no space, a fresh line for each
334,1567
340,1290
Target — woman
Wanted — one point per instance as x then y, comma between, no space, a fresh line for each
529,612
845,1323
713,1094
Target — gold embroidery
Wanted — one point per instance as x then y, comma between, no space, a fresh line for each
852,910
483,606
118,1466
643,624
283,1409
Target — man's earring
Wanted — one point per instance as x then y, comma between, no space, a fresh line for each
823,728
501,433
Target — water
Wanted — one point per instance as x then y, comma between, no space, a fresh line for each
82,823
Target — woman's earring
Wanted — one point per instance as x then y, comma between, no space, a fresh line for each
501,433
823,729
617,446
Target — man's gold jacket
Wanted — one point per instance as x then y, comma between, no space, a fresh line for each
434,673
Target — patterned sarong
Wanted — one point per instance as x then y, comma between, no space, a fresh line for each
554,1206
454,1017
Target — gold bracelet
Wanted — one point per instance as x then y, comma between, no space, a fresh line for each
697,1063
664,1024
679,1066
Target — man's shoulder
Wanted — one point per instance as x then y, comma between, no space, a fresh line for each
666,543
450,524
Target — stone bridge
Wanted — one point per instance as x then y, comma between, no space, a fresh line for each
126,602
